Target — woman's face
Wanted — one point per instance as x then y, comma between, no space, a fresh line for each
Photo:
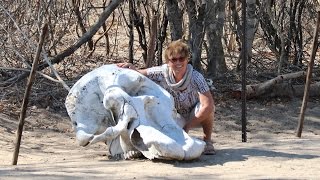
178,64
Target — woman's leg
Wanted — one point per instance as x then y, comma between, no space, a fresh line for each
207,126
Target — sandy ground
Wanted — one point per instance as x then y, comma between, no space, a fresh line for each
49,149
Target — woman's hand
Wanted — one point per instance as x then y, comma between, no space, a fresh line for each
131,66
126,65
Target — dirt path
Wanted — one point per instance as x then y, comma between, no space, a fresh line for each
49,150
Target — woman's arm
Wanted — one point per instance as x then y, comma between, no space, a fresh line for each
131,66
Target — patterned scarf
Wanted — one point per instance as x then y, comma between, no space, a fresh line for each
183,83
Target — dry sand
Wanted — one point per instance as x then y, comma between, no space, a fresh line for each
49,150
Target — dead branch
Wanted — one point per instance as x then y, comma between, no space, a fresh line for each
28,70
104,34
60,80
262,88
277,87
80,23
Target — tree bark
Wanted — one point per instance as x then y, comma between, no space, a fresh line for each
131,33
214,34
196,14
161,37
175,19
152,40
251,26
278,86
265,87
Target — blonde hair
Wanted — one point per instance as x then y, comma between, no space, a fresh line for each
176,48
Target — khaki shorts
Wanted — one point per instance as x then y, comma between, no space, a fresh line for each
183,119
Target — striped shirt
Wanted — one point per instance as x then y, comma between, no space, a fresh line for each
184,100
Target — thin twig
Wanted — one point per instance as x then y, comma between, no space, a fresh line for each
28,70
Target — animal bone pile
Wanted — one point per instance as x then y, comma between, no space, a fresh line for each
130,113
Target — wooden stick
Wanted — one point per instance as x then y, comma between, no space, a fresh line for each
309,74
243,74
26,96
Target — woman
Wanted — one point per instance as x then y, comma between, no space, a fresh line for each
191,93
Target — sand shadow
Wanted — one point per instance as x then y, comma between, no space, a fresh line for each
236,155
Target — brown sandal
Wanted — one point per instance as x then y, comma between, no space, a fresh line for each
209,148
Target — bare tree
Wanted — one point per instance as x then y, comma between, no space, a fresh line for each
279,34
196,11
283,29
214,33
175,18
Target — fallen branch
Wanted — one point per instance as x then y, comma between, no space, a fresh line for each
262,88
279,86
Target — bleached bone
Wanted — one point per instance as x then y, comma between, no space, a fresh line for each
129,112
118,102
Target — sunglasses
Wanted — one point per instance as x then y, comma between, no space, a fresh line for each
180,59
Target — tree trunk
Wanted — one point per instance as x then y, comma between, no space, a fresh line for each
251,26
175,18
214,33
161,37
152,40
196,14
131,33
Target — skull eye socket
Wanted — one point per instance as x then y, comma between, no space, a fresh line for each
129,125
